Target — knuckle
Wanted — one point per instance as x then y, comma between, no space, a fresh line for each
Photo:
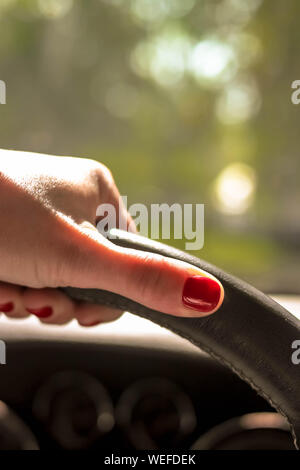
103,173
104,181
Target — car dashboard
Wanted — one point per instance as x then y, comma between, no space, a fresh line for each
126,385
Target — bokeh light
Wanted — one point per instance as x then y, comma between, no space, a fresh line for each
55,8
234,189
238,102
151,12
213,61
164,58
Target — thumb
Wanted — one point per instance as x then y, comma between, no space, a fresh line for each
171,286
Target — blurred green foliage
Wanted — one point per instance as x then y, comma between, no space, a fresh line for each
171,95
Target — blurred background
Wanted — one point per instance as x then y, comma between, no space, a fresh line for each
186,101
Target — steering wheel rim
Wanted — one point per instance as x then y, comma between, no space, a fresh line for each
250,333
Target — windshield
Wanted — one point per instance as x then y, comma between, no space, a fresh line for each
186,101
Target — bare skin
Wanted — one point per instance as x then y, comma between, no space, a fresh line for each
48,239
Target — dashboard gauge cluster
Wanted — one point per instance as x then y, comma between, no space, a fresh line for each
76,411
155,413
75,408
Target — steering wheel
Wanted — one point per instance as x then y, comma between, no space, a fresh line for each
250,333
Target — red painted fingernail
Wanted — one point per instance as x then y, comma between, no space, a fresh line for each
6,308
201,293
41,312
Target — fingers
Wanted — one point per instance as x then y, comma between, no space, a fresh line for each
11,301
51,306
160,283
92,315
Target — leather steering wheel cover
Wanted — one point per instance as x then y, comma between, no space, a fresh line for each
250,333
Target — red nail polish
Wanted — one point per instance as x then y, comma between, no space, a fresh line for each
6,308
41,312
201,293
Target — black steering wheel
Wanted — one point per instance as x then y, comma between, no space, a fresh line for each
250,333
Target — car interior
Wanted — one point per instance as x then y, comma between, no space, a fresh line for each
185,102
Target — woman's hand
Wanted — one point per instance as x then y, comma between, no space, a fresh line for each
48,239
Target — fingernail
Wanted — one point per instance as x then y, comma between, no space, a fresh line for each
95,323
201,293
6,308
41,312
